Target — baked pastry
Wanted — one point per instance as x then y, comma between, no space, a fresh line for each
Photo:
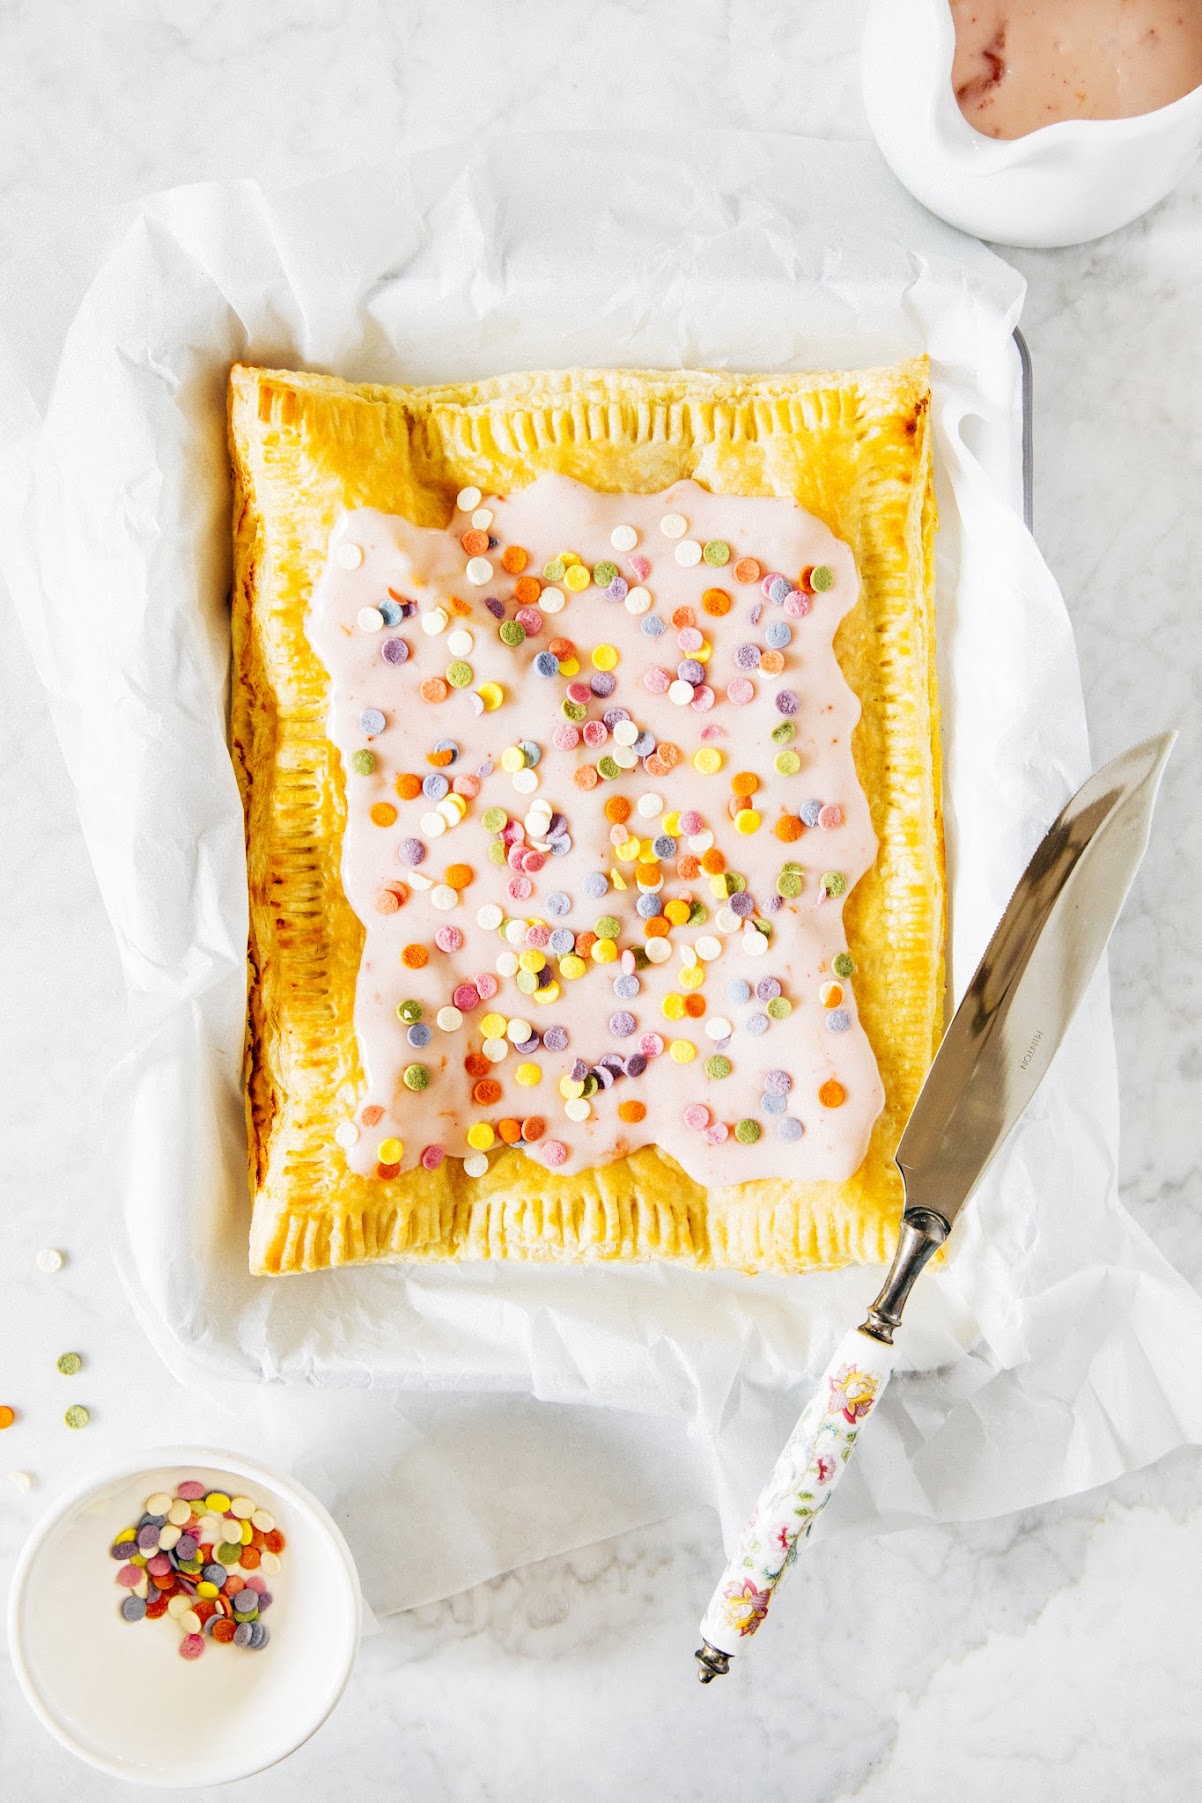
587,734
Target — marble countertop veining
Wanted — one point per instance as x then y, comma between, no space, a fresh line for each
1047,1655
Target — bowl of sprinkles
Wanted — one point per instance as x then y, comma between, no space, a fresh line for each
201,1585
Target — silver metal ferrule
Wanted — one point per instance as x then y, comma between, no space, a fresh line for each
711,1663
922,1233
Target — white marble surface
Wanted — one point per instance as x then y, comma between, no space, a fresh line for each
1046,1655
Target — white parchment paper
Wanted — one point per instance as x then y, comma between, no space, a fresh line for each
1057,1348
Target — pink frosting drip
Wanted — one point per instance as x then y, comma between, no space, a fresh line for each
690,1114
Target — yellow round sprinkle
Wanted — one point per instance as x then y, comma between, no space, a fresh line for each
389,1151
247,1532
493,1026
692,978
628,851
572,966
682,1051
569,666
568,1088
492,695
718,887
480,1136
647,853
548,993
528,1075
747,821
677,912
671,822
707,761
603,952
513,758
568,558
787,763
217,1502
673,1007
704,654
532,960
577,578
605,657
204,1588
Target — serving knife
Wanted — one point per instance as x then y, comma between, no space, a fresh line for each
992,1059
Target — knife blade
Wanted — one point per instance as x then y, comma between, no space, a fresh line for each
993,1057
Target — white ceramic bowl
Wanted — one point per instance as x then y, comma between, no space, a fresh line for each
118,1694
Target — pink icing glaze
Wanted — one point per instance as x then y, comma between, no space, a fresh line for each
427,565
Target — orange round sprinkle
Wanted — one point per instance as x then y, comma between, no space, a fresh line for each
533,1127
459,876
712,862
249,1558
440,759
684,616
435,689
166,1582
745,783
7,1415
716,601
372,1115
223,1630
694,1005
475,543
388,901
688,867
655,766
486,1091
617,809
656,928
459,607
382,813
586,776
833,995
388,1170
408,786
669,754
631,1111
747,570
476,1065
274,1541
510,1131
414,957
514,560
772,662
832,1094
527,590
650,872
561,648
585,943
788,828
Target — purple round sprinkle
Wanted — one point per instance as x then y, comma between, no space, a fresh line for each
652,625
435,786
647,906
753,617
778,635
618,589
394,651
243,1633
152,1521
786,701
665,846
265,1600
544,976
556,1039
133,1608
148,1538
622,1024
770,1104
626,987
411,851
757,1024
790,1127
579,1070
775,902
778,588
123,1550
612,715
747,657
602,683
559,903
778,1083
810,811
246,1602
689,670
185,1547
742,904
560,847
613,1062
260,1634
561,941
371,721
644,745
594,884
767,989
604,1075
636,1064
214,1574
838,1020
496,608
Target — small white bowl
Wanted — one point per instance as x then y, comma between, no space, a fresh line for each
118,1695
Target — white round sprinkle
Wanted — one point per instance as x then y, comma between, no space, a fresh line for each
461,644
468,499
551,600
49,1259
482,519
717,1028
433,824
507,964
168,1537
658,951
624,757
190,1622
369,619
346,1135
476,700
638,600
450,810
708,948
262,1520
515,931
495,1050
623,538
179,1512
754,942
475,1166
651,888
434,620
680,692
209,1529
179,1605
22,1479
489,917
159,1503
701,842
349,556
578,1109
417,879
525,781
674,525
241,1508
269,1563
688,553
726,920
625,732
478,571
449,1019
444,898
651,805
518,1032
688,957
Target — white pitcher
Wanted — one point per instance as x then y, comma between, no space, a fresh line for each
1062,184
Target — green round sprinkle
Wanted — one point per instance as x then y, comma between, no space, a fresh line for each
793,867
747,1132
495,819
608,927
788,884
608,768
416,1076
641,960
779,1008
76,1415
228,1553
763,928
843,964
526,981
555,571
787,763
834,882
69,1363
512,632
716,552
698,915
409,1012
591,1084
573,710
363,762
735,884
460,674
604,573
717,1066
783,733
498,851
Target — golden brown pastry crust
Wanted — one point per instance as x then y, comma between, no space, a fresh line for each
855,451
